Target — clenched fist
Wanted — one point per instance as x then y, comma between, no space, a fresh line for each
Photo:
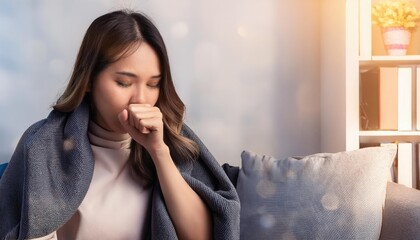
144,124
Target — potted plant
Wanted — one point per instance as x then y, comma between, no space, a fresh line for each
397,18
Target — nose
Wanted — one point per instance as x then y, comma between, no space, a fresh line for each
139,95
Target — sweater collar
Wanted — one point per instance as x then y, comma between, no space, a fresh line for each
101,137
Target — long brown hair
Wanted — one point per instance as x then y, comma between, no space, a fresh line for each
109,38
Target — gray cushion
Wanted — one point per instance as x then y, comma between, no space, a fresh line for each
322,196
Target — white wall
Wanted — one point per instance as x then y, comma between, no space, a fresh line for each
247,70
333,75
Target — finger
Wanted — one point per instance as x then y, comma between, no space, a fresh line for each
132,119
139,107
141,113
151,124
123,118
136,123
142,127
144,130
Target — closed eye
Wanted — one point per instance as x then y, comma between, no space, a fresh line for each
123,84
154,85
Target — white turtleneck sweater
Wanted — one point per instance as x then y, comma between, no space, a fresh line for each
116,205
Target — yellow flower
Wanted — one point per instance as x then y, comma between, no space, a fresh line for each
396,13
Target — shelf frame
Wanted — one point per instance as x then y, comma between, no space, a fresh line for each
385,133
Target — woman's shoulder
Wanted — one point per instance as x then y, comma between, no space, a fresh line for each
188,132
54,119
31,130
26,139
36,126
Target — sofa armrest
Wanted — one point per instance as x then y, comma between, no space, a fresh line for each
3,167
401,215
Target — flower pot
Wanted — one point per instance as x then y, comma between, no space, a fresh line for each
396,40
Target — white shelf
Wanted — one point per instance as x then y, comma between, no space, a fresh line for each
367,59
380,133
377,137
397,58
373,55
389,60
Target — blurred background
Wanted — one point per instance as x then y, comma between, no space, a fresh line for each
247,70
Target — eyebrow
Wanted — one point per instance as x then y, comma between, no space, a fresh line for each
130,74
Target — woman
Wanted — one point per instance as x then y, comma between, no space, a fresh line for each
114,160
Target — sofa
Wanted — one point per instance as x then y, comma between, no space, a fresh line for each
280,198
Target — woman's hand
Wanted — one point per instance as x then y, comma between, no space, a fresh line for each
190,215
144,124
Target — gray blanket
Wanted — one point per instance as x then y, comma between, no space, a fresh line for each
51,169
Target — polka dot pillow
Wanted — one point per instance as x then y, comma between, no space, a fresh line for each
321,196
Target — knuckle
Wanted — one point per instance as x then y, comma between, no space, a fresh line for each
131,108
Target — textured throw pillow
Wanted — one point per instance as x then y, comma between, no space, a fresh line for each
321,196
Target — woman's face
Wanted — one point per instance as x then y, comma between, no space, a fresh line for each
134,79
